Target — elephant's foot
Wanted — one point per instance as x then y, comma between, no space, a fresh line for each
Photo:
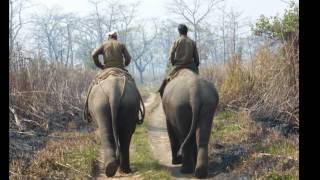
201,172
111,168
186,169
125,170
177,160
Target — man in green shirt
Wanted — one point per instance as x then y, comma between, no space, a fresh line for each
183,54
113,53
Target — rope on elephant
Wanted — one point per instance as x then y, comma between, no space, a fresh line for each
175,72
141,110
104,75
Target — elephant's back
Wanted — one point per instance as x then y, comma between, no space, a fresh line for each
181,84
177,92
114,86
188,84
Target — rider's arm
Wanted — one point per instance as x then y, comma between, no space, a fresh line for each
172,53
95,56
126,55
196,55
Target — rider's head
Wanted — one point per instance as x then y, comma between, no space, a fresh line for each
112,35
183,29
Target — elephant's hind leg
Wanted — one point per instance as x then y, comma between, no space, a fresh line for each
125,138
127,125
188,160
203,135
103,119
174,142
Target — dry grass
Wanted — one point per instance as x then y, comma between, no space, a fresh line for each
254,133
250,149
44,98
39,92
69,155
267,85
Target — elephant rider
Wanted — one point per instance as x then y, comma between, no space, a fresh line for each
113,53
183,54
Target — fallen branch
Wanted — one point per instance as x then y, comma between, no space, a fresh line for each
31,121
16,174
278,156
26,92
18,123
20,132
72,168
31,113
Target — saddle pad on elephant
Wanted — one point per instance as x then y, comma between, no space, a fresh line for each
176,71
111,71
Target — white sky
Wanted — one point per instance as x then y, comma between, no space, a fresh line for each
251,9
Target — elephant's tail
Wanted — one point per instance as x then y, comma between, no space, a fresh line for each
195,107
114,107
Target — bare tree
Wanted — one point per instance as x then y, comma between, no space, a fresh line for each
127,13
45,31
223,31
16,21
233,23
99,19
105,16
194,12
230,24
139,46
54,31
209,43
71,25
167,34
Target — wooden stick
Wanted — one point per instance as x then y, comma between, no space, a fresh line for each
16,118
70,167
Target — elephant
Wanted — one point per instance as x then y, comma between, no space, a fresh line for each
189,104
114,103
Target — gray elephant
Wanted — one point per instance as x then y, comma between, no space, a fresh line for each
189,103
114,103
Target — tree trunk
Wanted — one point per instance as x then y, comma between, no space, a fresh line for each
10,31
141,76
154,78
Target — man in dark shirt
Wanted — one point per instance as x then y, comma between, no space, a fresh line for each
183,54
113,53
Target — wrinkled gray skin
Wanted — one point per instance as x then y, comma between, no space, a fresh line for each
189,104
107,106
